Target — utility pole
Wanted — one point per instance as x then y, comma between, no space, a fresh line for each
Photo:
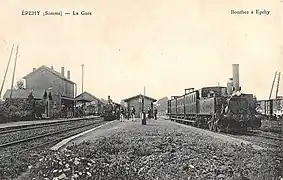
277,88
6,70
82,78
272,85
14,71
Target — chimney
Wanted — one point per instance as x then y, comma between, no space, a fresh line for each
236,83
62,71
33,69
68,74
52,68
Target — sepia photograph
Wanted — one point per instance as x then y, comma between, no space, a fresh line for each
141,90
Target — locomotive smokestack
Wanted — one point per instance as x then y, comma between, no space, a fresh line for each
230,87
236,83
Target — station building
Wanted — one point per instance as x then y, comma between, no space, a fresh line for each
136,102
45,79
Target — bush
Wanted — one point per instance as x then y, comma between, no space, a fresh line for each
20,110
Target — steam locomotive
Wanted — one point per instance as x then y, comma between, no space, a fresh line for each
110,110
217,108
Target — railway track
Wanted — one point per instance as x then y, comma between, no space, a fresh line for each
265,136
276,141
41,125
248,136
5,130
52,138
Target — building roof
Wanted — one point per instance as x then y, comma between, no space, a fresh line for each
103,101
87,97
139,96
23,94
50,70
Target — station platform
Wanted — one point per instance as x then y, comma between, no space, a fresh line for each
26,123
129,129
110,128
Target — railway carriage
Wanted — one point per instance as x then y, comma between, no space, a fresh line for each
217,108
180,106
272,108
173,107
211,107
191,102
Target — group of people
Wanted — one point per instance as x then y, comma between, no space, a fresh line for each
130,114
152,113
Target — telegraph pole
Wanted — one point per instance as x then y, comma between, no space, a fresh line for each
6,70
14,71
277,88
82,78
272,85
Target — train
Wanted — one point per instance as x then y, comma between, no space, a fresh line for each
218,108
271,109
110,110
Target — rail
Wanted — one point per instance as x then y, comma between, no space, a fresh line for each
264,136
182,121
41,125
54,140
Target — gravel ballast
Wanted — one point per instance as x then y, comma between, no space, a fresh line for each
12,166
159,150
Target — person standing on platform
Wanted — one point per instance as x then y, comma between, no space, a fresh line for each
155,113
133,112
148,114
151,113
129,113
122,114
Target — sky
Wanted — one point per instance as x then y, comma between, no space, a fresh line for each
164,45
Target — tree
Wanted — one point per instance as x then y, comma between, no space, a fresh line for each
162,104
20,85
